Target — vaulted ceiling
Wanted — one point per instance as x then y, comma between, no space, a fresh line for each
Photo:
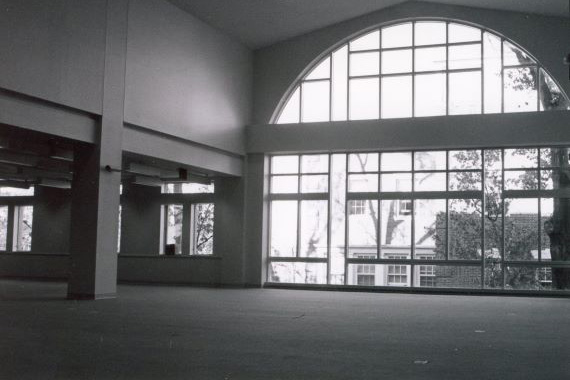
259,23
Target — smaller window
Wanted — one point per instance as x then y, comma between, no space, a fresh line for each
202,229
187,188
16,192
23,216
171,227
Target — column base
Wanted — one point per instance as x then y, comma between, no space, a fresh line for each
90,297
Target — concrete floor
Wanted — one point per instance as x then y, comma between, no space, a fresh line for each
159,332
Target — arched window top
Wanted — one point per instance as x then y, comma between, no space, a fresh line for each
421,68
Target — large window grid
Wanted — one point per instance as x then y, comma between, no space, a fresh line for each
16,219
422,68
488,198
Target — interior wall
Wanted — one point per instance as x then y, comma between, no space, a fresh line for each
184,78
278,66
140,220
52,220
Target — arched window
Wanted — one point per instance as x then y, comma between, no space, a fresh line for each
421,68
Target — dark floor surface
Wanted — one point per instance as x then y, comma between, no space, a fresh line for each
160,332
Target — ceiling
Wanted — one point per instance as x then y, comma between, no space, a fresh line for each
259,23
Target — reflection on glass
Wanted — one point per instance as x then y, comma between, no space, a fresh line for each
400,161
528,278
283,228
314,183
521,158
492,72
369,41
521,228
339,84
551,97
364,63
430,228
362,183
493,224
396,96
364,102
397,36
463,33
465,159
363,162
321,71
430,59
396,229
362,228
520,89
284,164
429,181
465,93
464,57
298,273
290,113
430,160
315,100
397,61
464,181
429,96
465,229
396,182
315,163
430,33
286,184
521,180
314,228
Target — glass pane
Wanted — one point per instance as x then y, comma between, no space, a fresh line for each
492,73
397,61
396,228
521,229
465,93
314,183
400,161
554,157
463,33
521,158
284,164
465,57
314,228
397,36
521,180
465,229
513,56
396,96
15,191
291,111
430,59
364,63
316,102
362,183
379,275
23,219
465,159
430,33
396,182
363,162
528,278
551,97
298,273
337,218
287,184
430,160
362,228
321,71
493,212
3,227
315,163
203,229
520,89
550,226
548,178
430,228
173,241
448,276
187,188
369,41
429,97
493,159
340,84
364,102
283,228
429,181
464,181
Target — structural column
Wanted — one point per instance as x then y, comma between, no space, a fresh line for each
95,190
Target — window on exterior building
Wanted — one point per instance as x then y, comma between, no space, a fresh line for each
421,68
23,217
397,274
202,232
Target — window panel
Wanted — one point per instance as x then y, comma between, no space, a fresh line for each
379,275
429,181
464,57
284,164
551,97
298,273
23,218
3,227
291,111
521,180
340,84
448,276
465,93
316,102
521,229
362,183
369,41
430,59
465,229
513,56
337,218
429,97
362,228
287,184
6,191
364,63
430,160
364,102
314,229
314,183
396,182
187,188
400,161
321,71
315,163
430,228
520,89
283,228
173,215
492,73
397,61
202,229
396,97
396,228
528,278
363,162
463,33
465,159
549,220
464,181
397,36
430,33
521,158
